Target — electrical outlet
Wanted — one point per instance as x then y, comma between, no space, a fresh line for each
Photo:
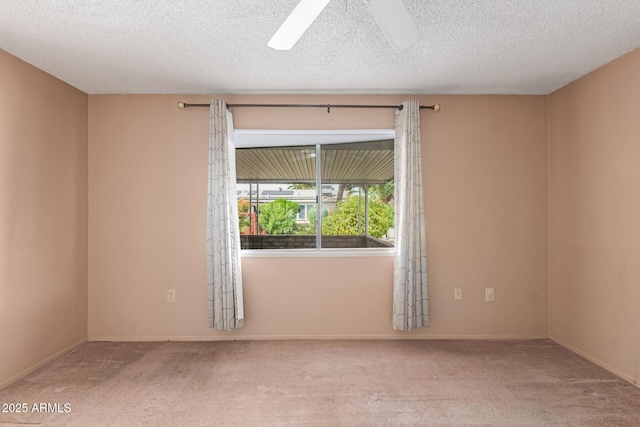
489,294
457,294
171,295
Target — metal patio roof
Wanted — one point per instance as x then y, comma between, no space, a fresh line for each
356,163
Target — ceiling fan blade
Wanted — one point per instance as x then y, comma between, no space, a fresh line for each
395,22
297,23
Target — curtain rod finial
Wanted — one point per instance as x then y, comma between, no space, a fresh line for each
436,107
181,105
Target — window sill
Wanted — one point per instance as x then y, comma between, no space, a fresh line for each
316,253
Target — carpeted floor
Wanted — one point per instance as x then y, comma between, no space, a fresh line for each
323,383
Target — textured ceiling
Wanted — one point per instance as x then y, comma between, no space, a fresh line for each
220,46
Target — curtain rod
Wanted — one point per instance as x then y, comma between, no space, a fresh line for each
435,107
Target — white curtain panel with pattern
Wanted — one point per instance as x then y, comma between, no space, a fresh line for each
224,274
410,299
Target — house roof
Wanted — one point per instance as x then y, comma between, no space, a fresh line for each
305,196
206,46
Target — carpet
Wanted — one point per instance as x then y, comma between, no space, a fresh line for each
322,383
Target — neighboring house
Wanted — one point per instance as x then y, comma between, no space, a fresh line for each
305,198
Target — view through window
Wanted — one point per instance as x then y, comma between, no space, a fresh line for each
280,194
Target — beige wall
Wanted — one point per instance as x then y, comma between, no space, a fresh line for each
485,162
594,211
43,217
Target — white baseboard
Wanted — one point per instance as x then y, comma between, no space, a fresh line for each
398,336
597,361
40,364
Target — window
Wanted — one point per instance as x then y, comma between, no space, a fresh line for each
304,212
281,188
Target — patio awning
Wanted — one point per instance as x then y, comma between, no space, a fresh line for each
353,163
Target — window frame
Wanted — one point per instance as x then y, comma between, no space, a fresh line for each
262,138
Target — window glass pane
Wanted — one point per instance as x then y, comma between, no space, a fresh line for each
275,187
277,197
304,209
357,195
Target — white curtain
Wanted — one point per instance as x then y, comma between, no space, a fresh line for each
410,299
224,275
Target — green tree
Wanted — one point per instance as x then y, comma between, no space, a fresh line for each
382,192
301,186
279,216
344,219
243,215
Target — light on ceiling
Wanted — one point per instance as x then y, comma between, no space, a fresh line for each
395,22
296,24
